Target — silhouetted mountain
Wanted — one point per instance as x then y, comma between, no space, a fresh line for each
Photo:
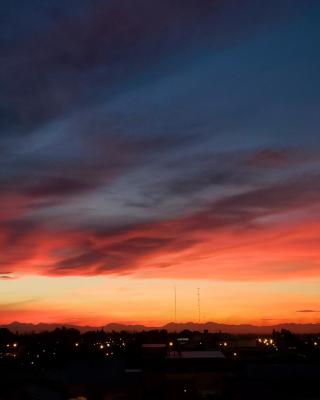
130,328
171,327
244,328
41,327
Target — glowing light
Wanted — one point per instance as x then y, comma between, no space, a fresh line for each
79,398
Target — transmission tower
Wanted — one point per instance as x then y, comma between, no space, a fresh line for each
199,309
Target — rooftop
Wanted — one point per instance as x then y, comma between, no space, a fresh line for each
196,354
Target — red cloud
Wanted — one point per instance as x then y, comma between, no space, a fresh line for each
260,234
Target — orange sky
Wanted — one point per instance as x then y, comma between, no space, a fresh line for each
261,276
99,300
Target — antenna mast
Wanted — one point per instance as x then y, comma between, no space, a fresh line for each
199,310
175,304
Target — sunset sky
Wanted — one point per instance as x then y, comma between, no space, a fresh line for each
153,144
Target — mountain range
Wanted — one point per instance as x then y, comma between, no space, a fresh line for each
171,327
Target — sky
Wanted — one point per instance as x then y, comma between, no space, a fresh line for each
149,145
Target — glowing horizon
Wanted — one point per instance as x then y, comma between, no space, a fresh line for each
37,299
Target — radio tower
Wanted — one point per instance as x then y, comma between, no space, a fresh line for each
175,304
199,311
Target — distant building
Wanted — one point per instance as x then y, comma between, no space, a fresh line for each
170,373
199,355
154,350
195,374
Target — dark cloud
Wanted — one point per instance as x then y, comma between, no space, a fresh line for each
269,158
95,162
46,74
192,175
246,208
14,305
58,57
6,277
277,158
204,179
122,256
274,198
308,311
111,251
57,187
16,230
101,248
80,263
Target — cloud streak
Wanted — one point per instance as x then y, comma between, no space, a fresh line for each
308,311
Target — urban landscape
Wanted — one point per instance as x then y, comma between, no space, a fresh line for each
65,364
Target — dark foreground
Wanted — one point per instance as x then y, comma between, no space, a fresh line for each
63,364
